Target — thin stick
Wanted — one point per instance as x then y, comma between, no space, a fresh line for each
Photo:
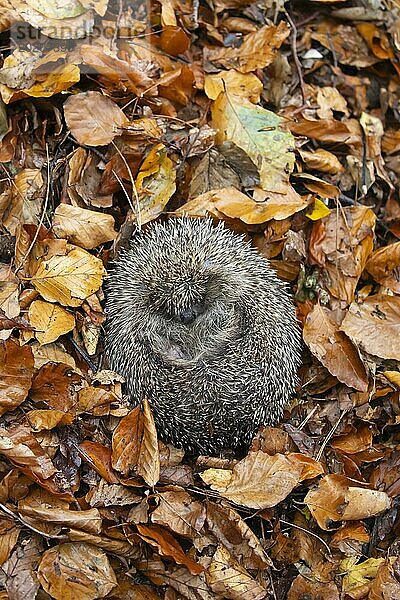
296,58
35,237
309,532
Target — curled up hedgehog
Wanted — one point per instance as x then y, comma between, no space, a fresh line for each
200,325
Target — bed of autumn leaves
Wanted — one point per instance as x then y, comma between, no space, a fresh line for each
282,120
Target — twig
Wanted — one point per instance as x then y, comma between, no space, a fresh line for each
330,434
35,237
309,532
296,58
7,511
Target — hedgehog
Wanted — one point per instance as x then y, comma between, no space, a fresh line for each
199,324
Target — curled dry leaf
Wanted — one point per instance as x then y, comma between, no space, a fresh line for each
93,119
226,577
341,244
236,205
236,536
49,320
16,374
321,160
336,499
48,419
374,325
55,384
258,481
166,544
383,265
155,183
23,450
76,570
334,349
177,511
69,279
259,133
85,228
148,465
99,458
257,51
86,520
134,445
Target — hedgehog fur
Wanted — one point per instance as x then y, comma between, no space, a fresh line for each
200,325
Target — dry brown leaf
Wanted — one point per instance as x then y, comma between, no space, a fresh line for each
148,465
85,228
321,160
134,445
226,577
236,536
9,534
258,481
374,325
93,119
9,285
23,201
383,265
341,243
337,499
49,320
86,520
55,384
76,570
302,588
16,374
166,544
69,279
355,441
99,458
257,51
48,419
19,445
236,205
334,349
180,513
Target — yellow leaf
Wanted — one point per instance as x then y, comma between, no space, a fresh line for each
245,85
318,211
155,183
69,279
258,132
50,321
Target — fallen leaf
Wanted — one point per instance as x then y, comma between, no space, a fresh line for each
257,50
85,228
257,481
16,374
259,133
374,325
155,184
226,577
166,544
49,320
334,349
93,119
76,570
69,279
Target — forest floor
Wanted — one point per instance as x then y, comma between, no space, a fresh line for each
282,119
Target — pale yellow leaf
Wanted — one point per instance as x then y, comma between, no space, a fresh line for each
86,228
49,320
69,279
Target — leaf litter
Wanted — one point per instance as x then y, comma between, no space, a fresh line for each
282,119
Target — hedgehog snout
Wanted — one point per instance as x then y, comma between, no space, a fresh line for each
188,315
